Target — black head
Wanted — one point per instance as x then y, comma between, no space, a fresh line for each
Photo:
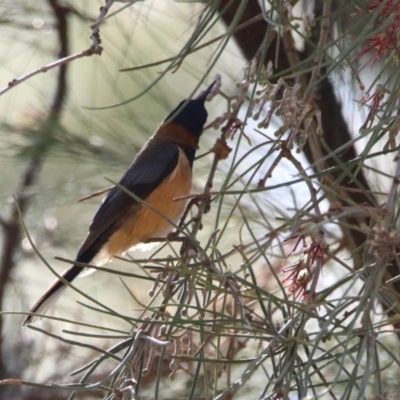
193,115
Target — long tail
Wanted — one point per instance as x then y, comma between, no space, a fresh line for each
53,293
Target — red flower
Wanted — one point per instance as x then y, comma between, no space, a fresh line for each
389,11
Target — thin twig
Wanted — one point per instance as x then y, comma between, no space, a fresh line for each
317,63
95,48
95,194
96,40
391,199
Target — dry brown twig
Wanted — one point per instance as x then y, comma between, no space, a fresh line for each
95,48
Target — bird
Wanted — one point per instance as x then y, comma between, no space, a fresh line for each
160,173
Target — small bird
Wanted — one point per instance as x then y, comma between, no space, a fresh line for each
161,172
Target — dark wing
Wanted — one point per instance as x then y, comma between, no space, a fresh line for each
151,166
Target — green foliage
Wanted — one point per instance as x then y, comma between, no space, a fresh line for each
282,280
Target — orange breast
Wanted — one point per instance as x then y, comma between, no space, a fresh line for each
144,223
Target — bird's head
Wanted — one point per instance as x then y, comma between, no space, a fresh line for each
193,114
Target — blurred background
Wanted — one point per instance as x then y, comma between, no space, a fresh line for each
311,121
